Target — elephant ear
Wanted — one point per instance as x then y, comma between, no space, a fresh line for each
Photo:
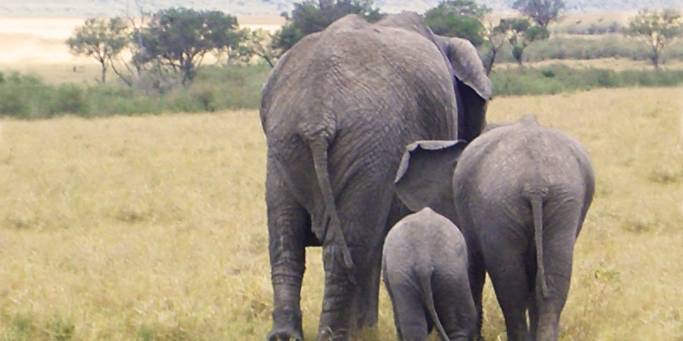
473,85
424,175
468,66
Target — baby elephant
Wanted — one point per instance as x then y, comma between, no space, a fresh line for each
425,271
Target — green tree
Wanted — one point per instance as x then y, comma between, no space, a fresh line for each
657,29
520,33
314,16
458,18
101,39
180,38
542,12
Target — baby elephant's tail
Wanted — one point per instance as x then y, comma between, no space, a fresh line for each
428,299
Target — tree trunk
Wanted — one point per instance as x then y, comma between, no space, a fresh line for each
188,72
103,77
655,58
491,60
125,79
268,60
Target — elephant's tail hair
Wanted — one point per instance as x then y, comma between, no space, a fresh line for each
426,283
331,228
537,212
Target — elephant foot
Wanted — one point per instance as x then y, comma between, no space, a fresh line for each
285,334
286,326
327,334
366,319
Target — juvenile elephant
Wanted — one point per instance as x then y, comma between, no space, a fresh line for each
520,194
425,272
337,111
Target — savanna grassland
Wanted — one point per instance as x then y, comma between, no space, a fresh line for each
153,228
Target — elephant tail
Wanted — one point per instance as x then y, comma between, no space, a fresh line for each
428,298
537,212
331,228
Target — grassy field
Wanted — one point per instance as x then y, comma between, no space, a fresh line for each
153,228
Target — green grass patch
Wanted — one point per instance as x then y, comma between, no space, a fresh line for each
559,78
215,88
26,326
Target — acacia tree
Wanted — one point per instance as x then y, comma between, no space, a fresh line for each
257,43
495,39
520,33
101,39
314,16
542,12
180,38
458,18
657,29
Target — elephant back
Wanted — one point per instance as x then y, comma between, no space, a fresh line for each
364,69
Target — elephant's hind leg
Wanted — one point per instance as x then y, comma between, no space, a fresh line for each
367,305
288,224
349,306
336,317
558,244
366,300
411,320
506,262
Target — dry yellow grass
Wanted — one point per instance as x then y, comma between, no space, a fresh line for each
154,227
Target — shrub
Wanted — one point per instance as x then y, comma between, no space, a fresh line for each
13,102
69,98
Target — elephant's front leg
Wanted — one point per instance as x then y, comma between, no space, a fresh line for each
287,225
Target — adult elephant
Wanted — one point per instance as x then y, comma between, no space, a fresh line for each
338,110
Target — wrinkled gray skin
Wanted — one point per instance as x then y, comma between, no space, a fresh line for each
425,272
520,194
338,111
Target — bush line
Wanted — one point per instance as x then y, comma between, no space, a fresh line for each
239,87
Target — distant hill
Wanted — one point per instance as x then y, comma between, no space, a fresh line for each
81,8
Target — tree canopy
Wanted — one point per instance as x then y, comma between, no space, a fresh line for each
101,39
542,12
657,29
314,16
458,18
180,38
